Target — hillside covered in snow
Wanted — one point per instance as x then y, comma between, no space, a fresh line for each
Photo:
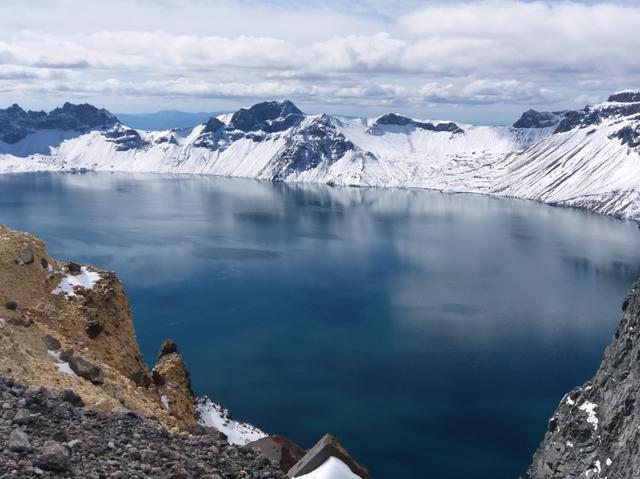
588,158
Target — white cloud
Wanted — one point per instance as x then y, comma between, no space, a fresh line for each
367,53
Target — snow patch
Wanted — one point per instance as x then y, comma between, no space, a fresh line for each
590,409
213,415
86,279
332,468
61,365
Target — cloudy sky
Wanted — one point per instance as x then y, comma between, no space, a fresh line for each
475,61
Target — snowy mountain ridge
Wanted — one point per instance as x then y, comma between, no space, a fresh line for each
587,158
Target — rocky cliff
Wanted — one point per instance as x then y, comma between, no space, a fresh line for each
77,400
68,326
45,433
595,432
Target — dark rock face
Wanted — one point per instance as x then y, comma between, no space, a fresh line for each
74,267
51,343
279,450
268,116
124,138
625,97
318,142
629,135
325,448
53,456
213,125
15,123
85,369
393,119
72,398
624,104
212,135
539,119
68,441
94,328
593,433
168,347
141,378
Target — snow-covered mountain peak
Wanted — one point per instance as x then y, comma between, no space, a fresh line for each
539,119
625,96
268,116
587,158
396,123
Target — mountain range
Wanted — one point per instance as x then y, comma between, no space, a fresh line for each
588,158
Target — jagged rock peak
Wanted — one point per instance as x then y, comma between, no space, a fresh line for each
593,432
394,119
171,375
626,96
168,347
16,123
213,125
268,116
539,119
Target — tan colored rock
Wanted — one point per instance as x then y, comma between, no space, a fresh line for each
175,392
114,350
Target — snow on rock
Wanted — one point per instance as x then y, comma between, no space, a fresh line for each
588,158
85,279
213,415
590,409
332,468
61,365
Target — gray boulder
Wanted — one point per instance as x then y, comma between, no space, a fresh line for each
51,343
279,450
71,397
26,257
94,328
86,370
53,457
19,441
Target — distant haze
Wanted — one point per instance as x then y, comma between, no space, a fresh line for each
165,119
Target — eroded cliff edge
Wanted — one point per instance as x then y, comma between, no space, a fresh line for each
595,432
67,326
77,400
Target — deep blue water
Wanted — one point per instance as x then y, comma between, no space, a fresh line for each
433,334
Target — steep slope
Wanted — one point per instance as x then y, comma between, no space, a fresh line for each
67,326
595,432
594,165
587,158
46,434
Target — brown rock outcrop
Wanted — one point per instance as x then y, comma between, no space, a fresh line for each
42,332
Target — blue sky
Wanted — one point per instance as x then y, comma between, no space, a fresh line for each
473,61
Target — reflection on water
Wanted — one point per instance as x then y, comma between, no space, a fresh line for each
434,334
